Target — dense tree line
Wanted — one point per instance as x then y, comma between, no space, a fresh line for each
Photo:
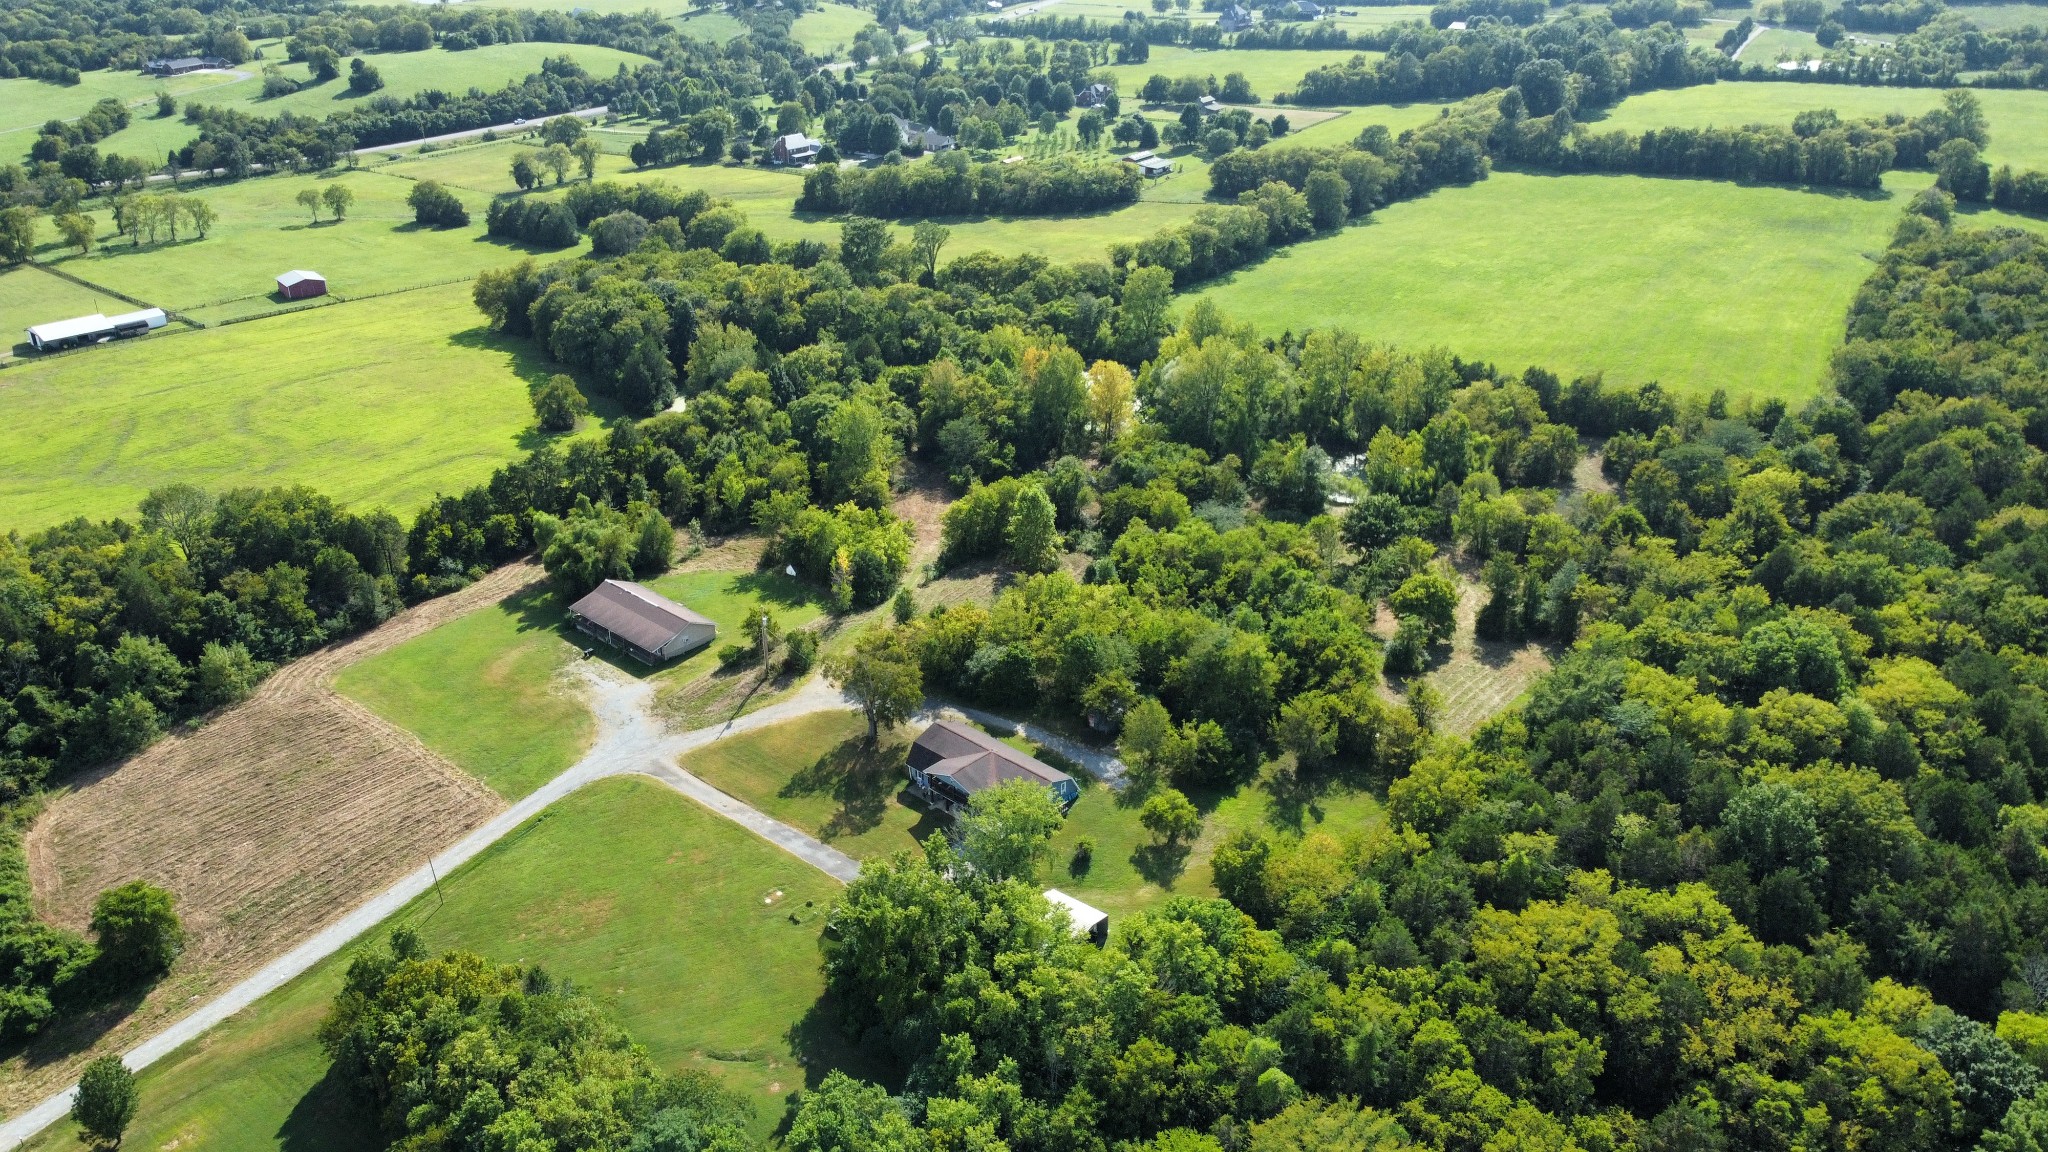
455,1052
542,223
1605,64
1757,866
951,185
1940,53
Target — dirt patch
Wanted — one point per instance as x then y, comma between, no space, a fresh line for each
1586,474
923,500
1476,678
270,821
725,554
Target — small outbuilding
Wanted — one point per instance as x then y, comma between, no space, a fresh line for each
299,284
1085,922
951,761
178,66
641,622
1154,166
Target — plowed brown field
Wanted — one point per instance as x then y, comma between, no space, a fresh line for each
268,822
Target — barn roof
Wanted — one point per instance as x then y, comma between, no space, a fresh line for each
640,616
299,276
1081,918
65,329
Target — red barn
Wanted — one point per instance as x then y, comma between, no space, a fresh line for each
301,285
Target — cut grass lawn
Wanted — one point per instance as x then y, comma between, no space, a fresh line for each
487,167
26,104
2018,118
29,295
1697,284
263,231
699,938
383,401
149,137
484,690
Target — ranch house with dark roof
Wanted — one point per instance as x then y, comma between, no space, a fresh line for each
951,761
641,622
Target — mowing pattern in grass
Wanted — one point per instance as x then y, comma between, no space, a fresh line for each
700,938
263,231
2018,118
150,137
1698,284
485,692
384,401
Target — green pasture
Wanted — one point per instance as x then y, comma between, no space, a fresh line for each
1270,71
485,691
383,401
830,28
2003,17
486,167
1697,284
701,939
716,26
2018,118
151,137
29,295
263,231
1775,44
25,104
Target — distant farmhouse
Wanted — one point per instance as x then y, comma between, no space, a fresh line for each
915,135
1235,18
950,762
1094,96
641,622
795,148
1150,164
94,329
180,65
300,284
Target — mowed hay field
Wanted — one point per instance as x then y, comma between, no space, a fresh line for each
2018,118
383,401
267,822
150,137
701,940
262,230
1697,284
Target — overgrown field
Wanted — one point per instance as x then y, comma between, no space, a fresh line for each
1697,284
2018,118
640,897
383,401
485,691
150,137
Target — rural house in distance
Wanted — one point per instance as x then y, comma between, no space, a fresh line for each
641,622
951,761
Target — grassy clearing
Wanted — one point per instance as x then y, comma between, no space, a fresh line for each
638,896
1696,283
25,104
817,774
383,401
262,231
830,28
1269,70
2019,119
715,26
405,73
29,295
2003,17
487,167
484,691
1775,44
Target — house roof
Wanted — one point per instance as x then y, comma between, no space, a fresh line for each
640,616
974,760
797,141
1155,164
1081,917
299,276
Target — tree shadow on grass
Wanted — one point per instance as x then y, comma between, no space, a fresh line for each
865,779
1162,864
328,1118
68,1036
821,1045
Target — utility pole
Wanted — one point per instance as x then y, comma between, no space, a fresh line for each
764,645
